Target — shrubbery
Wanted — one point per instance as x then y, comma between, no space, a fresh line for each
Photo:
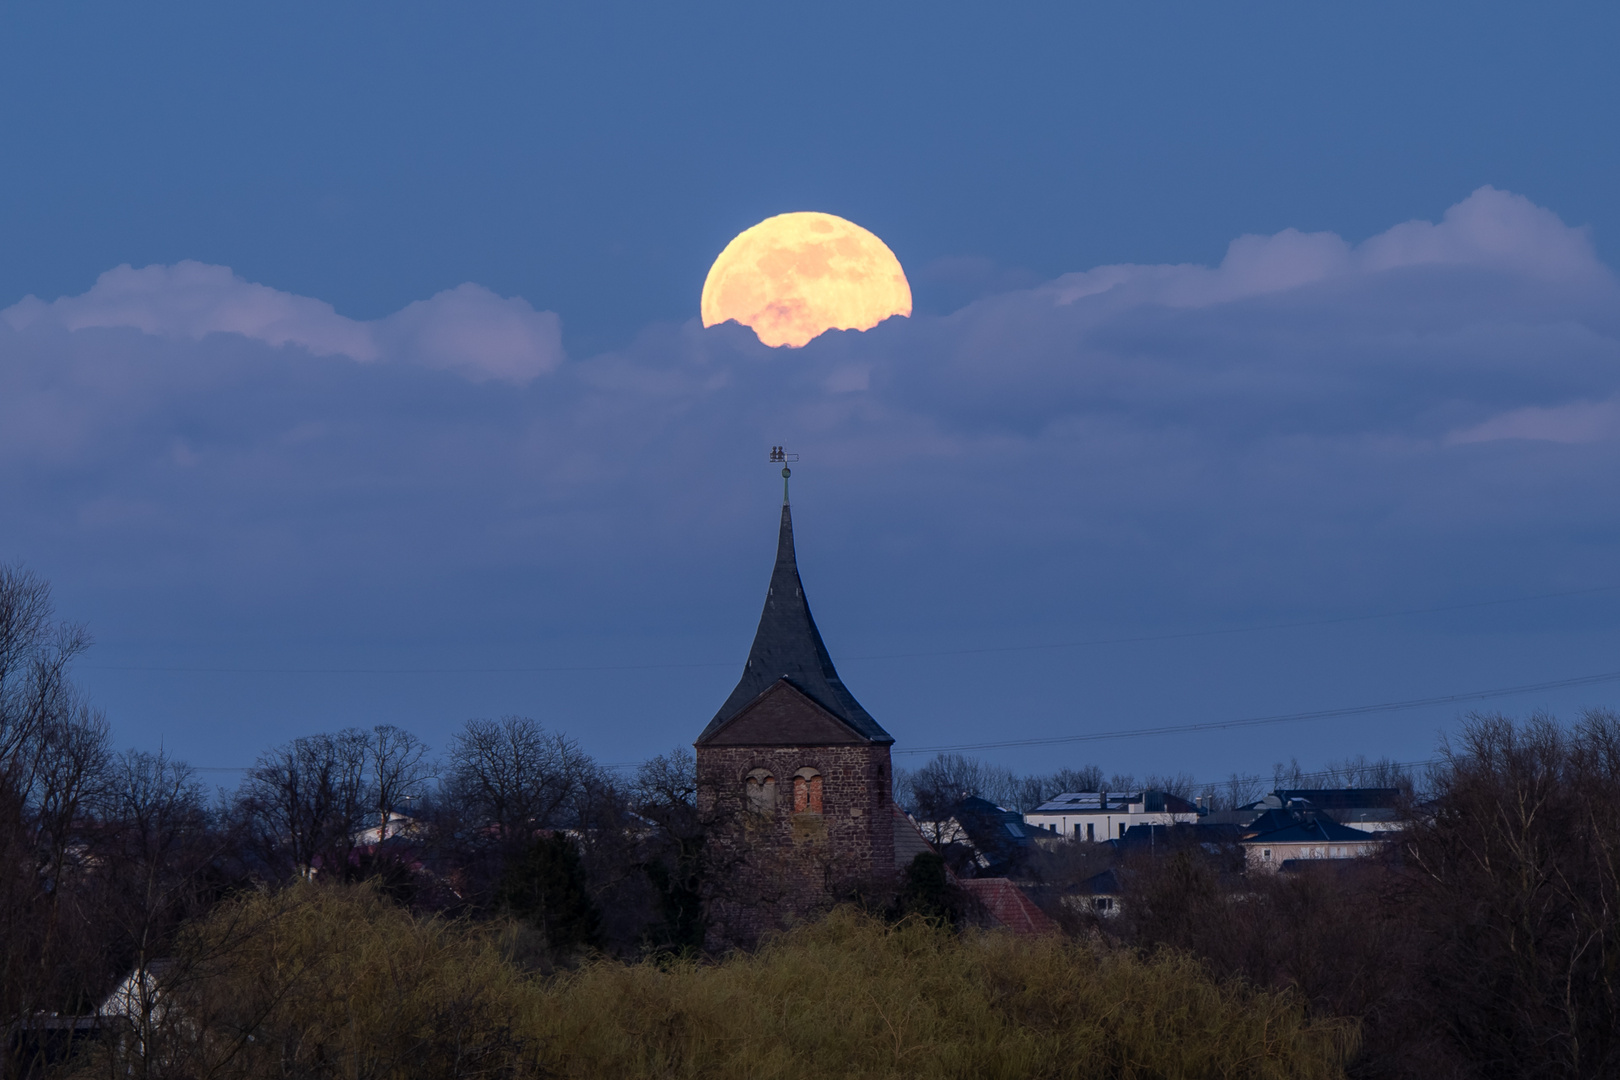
338,981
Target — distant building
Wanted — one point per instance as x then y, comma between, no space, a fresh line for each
1097,816
1100,895
1372,810
794,778
1007,906
1293,836
982,839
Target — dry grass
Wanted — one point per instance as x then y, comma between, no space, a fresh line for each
338,982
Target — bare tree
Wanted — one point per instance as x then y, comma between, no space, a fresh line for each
1362,772
515,775
307,798
1517,862
932,790
156,845
397,766
1032,791
53,756
665,796
1180,784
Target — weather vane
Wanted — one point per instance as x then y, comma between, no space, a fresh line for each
780,455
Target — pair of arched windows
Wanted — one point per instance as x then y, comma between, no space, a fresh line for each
761,791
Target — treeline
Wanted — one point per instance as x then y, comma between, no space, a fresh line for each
360,907
109,857
948,778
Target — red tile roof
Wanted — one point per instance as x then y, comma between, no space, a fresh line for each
1008,905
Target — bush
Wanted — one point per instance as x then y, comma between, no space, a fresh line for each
318,981
338,982
851,996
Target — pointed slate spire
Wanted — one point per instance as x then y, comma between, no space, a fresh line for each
788,646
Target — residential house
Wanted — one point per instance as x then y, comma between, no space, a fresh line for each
1007,906
1106,815
982,839
1372,810
1280,837
1098,894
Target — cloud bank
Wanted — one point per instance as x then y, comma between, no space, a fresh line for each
1313,425
467,329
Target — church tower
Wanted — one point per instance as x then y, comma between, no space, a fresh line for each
793,776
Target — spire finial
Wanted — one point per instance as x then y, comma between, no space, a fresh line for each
778,454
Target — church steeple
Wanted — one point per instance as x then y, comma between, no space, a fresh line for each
788,648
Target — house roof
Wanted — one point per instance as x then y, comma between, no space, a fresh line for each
788,649
1331,798
1311,829
1181,834
1103,884
1008,906
1092,802
999,835
909,841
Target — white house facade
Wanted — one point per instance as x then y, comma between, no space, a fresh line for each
1096,816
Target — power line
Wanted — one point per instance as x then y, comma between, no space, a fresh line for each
1315,773
1283,718
1244,629
1085,643
1252,721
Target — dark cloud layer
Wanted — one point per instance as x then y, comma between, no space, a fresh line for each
212,469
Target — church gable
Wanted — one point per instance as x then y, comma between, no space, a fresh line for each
783,716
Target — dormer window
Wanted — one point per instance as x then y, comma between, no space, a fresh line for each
807,792
761,790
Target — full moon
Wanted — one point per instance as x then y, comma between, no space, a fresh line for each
795,276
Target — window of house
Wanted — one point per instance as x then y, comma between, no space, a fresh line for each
1122,830
1266,854
807,792
1091,830
761,790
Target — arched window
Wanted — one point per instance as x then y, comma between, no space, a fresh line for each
807,792
761,788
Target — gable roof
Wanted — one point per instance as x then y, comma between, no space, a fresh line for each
1008,906
1312,829
1000,837
783,716
909,841
788,647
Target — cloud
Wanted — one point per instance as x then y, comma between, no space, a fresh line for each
1491,229
1312,428
1310,418
467,329
191,300
1579,422
470,330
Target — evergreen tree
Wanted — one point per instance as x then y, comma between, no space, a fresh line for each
545,886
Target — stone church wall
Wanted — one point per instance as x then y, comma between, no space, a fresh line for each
769,864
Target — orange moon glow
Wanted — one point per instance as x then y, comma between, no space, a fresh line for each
794,276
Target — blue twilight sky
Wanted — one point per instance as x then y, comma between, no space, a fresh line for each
350,371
